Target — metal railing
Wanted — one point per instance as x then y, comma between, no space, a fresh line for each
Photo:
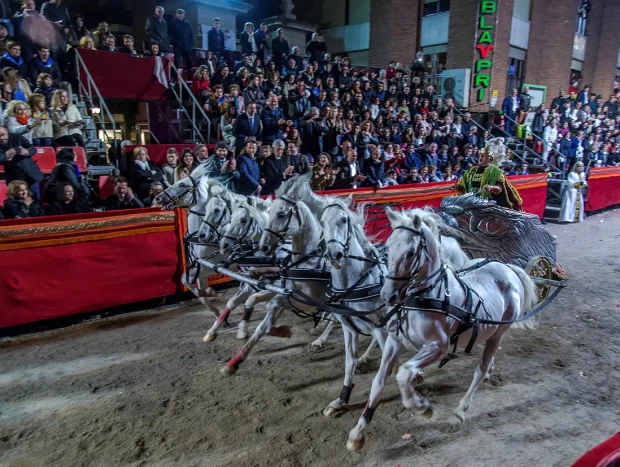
89,91
196,110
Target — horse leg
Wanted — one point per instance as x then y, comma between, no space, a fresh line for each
490,347
389,359
274,308
408,373
365,358
316,345
231,304
350,346
248,308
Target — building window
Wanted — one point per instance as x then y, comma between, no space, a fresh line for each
434,65
434,7
516,72
582,16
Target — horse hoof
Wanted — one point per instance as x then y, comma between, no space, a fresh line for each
456,424
280,331
428,413
241,335
209,337
228,371
332,412
355,445
316,348
419,378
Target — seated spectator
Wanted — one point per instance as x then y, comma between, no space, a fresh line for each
87,43
16,156
227,125
4,39
223,78
276,168
391,178
433,176
241,79
448,174
350,173
172,160
65,171
374,169
188,162
201,86
216,105
218,161
144,172
43,133
250,180
102,31
43,63
78,28
254,94
154,51
122,198
235,99
18,120
247,125
201,153
46,88
129,46
67,120
20,202
13,59
424,174
323,176
13,87
109,45
183,173
156,189
69,200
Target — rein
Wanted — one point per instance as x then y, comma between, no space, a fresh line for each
192,189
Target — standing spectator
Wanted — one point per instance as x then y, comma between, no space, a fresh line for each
333,129
315,48
43,63
265,49
550,136
227,126
98,37
78,27
157,30
247,125
276,168
43,132
254,94
67,120
201,153
4,39
250,181
16,156
374,170
13,59
20,202
350,173
216,38
323,176
540,118
510,106
525,102
55,12
273,121
25,22
69,200
584,96
300,162
144,172
294,55
280,49
182,39
122,198
172,161
558,102
249,40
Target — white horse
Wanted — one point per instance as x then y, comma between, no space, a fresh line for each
356,278
500,292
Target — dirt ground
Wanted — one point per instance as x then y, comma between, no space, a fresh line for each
143,389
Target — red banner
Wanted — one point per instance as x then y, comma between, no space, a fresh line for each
604,188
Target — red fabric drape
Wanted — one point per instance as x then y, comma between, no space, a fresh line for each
604,188
119,76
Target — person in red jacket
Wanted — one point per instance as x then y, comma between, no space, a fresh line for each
201,84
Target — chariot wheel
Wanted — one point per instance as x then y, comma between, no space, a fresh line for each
540,267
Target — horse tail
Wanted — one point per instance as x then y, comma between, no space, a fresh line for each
530,298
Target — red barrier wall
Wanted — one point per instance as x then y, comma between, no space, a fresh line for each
604,188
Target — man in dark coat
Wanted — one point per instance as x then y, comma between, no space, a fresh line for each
55,12
157,30
350,174
250,182
216,39
273,121
13,59
254,93
16,155
250,41
43,63
299,161
122,198
182,39
276,168
247,125
280,49
525,102
315,48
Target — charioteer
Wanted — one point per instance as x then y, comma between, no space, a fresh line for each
487,178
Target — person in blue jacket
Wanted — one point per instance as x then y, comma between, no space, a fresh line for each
412,158
250,181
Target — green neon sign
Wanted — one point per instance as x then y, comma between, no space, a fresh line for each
484,46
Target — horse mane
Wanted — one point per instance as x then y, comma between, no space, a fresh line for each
357,220
299,188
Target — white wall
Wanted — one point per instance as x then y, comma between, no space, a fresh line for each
348,38
520,33
435,29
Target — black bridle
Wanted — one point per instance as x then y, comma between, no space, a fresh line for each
418,255
214,226
347,242
293,212
172,200
253,223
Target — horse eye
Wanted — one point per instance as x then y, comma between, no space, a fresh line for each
243,221
411,254
344,220
216,211
281,215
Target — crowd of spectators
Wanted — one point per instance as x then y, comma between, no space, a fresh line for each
276,114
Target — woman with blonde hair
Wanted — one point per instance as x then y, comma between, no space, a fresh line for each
241,79
201,86
67,121
98,37
87,43
144,173
18,120
43,133
20,203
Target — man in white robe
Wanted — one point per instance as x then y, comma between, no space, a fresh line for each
572,200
